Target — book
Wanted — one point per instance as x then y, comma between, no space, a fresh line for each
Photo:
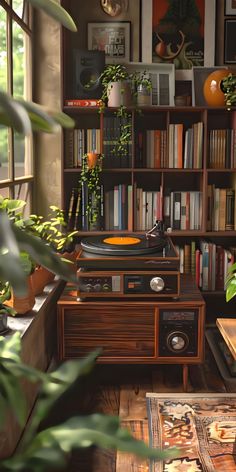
77,102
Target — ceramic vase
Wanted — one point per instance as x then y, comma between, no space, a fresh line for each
212,92
119,93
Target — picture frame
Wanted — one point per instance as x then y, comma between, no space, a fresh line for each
163,81
113,37
230,41
209,36
199,76
230,7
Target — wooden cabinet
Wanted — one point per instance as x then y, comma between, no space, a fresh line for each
133,332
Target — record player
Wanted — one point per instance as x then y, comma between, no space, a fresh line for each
128,266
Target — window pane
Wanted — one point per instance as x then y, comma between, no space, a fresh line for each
17,6
3,50
4,155
4,192
22,155
22,192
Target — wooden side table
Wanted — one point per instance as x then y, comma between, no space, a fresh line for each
227,327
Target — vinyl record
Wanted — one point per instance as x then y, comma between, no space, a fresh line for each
122,244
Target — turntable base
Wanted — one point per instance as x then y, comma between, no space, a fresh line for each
134,332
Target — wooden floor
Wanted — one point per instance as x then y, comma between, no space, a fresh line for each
121,390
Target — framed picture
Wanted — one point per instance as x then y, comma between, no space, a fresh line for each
163,81
230,42
230,7
113,37
199,76
182,48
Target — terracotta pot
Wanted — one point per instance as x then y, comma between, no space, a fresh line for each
211,89
40,278
119,93
92,158
22,304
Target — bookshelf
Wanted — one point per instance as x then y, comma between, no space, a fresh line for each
191,196
187,192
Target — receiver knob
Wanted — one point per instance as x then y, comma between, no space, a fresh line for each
157,284
177,341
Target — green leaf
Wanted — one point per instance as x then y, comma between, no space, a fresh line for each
13,114
50,446
56,384
55,10
11,389
231,290
10,265
43,254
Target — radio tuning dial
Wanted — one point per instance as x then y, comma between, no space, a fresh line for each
157,284
177,341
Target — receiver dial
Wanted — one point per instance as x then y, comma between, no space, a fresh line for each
177,341
157,284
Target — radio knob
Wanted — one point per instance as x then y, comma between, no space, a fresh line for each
106,288
177,341
157,284
88,288
97,287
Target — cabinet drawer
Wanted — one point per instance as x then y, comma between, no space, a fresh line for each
121,331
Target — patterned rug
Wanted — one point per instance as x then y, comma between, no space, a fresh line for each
202,427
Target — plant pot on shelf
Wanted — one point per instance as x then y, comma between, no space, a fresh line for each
40,278
22,304
144,96
92,159
119,94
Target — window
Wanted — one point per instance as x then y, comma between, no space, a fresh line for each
16,151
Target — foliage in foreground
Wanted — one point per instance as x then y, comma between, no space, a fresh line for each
48,449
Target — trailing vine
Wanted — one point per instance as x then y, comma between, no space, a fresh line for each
90,176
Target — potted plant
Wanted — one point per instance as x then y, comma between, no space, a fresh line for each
90,188
116,85
228,86
141,88
22,304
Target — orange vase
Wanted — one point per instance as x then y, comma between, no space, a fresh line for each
92,158
212,88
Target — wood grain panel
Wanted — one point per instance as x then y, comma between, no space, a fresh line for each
123,332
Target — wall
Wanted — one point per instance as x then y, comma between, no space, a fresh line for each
47,91
48,78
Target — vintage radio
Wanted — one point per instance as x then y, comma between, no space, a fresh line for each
128,266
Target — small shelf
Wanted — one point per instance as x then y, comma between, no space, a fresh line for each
221,170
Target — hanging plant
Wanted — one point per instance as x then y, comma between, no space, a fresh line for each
90,177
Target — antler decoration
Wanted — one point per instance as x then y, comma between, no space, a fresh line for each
160,48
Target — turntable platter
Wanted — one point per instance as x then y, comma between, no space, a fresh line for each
123,245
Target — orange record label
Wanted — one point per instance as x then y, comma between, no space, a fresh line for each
119,241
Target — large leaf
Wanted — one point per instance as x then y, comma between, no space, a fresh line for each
13,114
10,264
55,10
231,289
49,448
22,116
43,254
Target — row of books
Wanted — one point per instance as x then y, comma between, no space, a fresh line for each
183,210
222,149
207,262
116,154
118,208
220,209
171,148
78,142
148,208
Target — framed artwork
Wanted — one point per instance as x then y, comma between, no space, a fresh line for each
171,34
230,7
199,76
163,81
230,42
113,37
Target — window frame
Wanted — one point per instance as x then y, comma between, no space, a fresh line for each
12,183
